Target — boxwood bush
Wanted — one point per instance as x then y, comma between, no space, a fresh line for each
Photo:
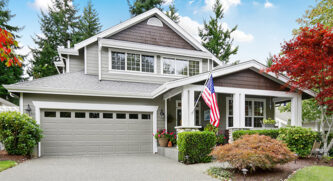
196,145
299,140
273,133
19,133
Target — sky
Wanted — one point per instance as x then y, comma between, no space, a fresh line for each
262,24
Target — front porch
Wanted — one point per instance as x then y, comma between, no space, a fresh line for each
240,108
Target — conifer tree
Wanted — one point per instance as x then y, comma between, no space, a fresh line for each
141,6
172,13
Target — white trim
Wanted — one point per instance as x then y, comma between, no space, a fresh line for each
166,114
68,51
67,64
99,62
85,60
173,93
175,59
227,113
154,22
21,103
101,107
111,43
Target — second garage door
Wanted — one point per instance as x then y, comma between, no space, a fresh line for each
69,132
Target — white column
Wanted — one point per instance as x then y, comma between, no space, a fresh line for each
154,131
185,108
191,109
296,110
67,64
21,103
236,110
166,114
100,62
242,110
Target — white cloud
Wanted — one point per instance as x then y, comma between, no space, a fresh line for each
42,4
225,3
191,26
191,2
268,4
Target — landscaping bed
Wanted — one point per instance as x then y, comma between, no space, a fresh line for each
280,171
17,158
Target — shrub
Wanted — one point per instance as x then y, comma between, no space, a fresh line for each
273,133
19,133
269,121
220,139
196,145
254,151
211,128
219,173
299,140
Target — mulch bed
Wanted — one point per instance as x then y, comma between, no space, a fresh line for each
280,172
17,158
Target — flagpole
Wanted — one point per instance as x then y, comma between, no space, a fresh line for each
196,102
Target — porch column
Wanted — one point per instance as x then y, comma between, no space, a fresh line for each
242,110
236,110
191,108
166,114
185,108
296,110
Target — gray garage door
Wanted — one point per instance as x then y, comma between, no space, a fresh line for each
95,132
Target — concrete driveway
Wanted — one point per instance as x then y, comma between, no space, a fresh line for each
117,167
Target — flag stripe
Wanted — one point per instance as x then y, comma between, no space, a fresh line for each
209,97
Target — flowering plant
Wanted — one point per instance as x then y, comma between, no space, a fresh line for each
164,134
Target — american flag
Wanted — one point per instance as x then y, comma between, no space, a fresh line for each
209,97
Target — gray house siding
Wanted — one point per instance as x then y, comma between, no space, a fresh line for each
92,59
76,63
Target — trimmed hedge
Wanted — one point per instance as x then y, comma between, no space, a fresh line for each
196,145
299,140
19,133
273,133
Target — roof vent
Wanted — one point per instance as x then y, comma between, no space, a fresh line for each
154,22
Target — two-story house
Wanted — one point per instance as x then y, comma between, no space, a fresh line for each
115,89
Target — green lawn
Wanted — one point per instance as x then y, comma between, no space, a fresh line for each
6,164
317,173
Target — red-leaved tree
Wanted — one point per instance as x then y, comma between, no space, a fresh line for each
307,60
7,43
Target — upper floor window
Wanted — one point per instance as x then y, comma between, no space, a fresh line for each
118,61
180,67
132,62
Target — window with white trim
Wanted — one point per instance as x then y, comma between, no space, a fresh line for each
254,112
118,61
148,63
174,66
131,62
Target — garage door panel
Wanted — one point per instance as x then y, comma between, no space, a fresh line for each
88,136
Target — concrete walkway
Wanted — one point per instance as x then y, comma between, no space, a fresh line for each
117,167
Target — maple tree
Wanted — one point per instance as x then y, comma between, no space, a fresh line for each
307,60
7,43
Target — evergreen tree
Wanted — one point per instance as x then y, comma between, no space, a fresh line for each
172,13
58,26
269,60
89,24
216,38
12,74
141,6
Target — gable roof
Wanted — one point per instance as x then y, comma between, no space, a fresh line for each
137,19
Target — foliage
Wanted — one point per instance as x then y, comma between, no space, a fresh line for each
211,128
216,38
7,44
326,159
162,133
273,133
141,6
269,121
310,110
219,173
172,13
307,60
220,139
58,25
322,13
19,133
299,140
318,173
196,146
269,60
89,24
6,164
254,151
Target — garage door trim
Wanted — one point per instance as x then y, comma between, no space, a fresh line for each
92,106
